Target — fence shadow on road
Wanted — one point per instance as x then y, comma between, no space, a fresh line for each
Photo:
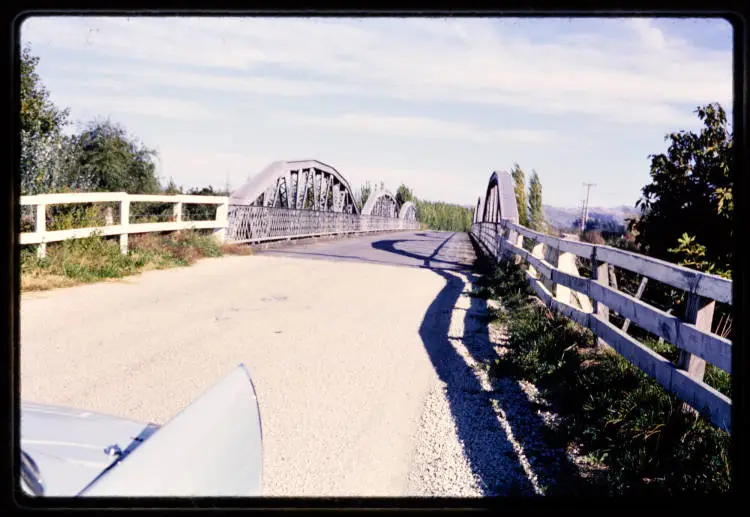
487,444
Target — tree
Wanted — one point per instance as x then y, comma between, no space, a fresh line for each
686,210
43,147
520,187
172,188
362,195
444,216
535,213
403,195
107,158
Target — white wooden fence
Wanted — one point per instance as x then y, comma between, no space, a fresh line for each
553,275
240,224
41,236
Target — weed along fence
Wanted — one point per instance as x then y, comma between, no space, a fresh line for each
553,274
125,221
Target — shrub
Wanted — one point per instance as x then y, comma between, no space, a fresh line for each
615,412
96,257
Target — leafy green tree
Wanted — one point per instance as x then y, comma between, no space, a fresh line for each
520,188
403,195
535,213
172,188
444,216
686,210
43,145
107,158
363,194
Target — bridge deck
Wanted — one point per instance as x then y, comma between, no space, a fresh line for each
344,357
430,249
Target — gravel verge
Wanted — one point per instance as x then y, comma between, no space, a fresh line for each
483,437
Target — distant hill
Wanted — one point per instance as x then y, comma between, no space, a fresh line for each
563,218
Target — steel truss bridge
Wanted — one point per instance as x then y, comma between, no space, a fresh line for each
308,198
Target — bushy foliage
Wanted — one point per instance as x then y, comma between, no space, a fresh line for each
519,180
101,157
444,216
535,213
403,195
363,194
43,146
97,258
614,411
106,158
691,192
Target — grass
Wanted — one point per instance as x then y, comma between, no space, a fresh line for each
96,258
615,413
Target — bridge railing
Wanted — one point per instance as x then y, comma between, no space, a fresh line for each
255,224
554,277
125,224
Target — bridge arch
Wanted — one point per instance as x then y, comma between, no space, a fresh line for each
298,185
381,203
408,211
499,200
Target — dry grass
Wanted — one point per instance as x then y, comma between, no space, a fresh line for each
45,282
97,258
236,249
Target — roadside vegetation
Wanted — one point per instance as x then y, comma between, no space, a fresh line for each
96,258
612,412
100,157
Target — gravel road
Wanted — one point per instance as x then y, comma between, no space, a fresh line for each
367,374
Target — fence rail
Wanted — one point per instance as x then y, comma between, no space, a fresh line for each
42,236
235,223
554,277
259,224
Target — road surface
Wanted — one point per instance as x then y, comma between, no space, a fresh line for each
346,351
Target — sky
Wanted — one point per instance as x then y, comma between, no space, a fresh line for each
434,103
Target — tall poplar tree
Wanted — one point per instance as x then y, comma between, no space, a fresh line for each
520,189
535,214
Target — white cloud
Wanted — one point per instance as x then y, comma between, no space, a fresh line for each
615,87
192,167
477,61
422,127
163,107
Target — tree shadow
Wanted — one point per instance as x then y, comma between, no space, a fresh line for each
504,458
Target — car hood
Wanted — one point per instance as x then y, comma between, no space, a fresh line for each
213,447
68,445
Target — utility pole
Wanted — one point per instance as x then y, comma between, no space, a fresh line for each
586,206
226,185
580,217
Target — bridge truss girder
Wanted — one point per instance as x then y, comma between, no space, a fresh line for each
297,185
381,203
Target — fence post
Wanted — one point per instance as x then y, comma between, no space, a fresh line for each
600,274
537,251
109,218
499,238
566,262
700,312
222,215
551,255
638,294
177,211
40,227
518,241
124,223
